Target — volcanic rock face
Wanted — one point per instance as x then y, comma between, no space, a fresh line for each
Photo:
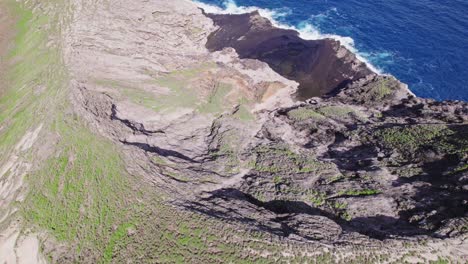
346,156
393,170
319,66
201,111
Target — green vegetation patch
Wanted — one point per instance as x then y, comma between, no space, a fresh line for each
277,180
181,93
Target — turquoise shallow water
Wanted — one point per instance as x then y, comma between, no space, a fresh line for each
424,43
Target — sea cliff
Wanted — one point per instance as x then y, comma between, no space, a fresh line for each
159,133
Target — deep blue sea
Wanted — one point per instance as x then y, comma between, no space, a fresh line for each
424,43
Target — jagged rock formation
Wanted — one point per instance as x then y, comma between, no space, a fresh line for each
174,135
390,171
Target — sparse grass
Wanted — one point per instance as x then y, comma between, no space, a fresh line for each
313,166
365,192
461,168
408,172
302,114
378,91
159,161
382,90
336,111
269,169
244,114
170,236
120,236
195,70
317,198
339,205
321,200
285,160
335,178
340,209
19,106
411,138
277,180
139,96
215,103
346,216
342,112
81,192
177,177
78,193
228,151
180,95
440,261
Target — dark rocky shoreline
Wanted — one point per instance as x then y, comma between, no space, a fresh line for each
319,66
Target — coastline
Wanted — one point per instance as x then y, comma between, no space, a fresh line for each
427,54
306,34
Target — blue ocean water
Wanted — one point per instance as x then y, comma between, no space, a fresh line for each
424,43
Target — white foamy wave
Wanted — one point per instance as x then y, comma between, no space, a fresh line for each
230,7
305,29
